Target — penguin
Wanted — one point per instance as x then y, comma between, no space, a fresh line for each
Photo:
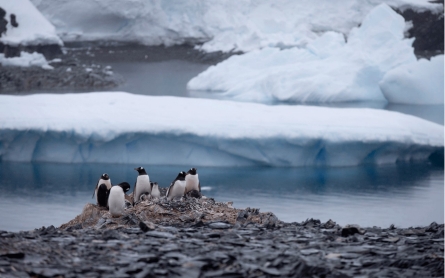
101,191
116,199
192,181
142,184
177,187
155,190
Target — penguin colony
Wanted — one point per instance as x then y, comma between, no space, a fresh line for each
114,197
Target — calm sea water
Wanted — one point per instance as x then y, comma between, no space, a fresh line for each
35,195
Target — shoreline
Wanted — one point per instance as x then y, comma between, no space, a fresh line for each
205,238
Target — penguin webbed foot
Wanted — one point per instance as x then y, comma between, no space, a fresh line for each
193,194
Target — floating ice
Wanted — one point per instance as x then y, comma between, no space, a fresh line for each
327,70
127,128
419,82
32,29
222,25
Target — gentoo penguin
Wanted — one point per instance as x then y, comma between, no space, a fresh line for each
116,199
155,190
192,181
177,187
101,191
142,184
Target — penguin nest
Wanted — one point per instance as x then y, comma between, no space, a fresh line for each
167,213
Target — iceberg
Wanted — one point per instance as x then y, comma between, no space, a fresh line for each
419,82
329,69
221,25
33,28
118,127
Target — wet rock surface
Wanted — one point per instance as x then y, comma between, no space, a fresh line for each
83,66
152,240
67,74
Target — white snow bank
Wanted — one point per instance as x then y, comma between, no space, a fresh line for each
420,82
26,60
127,128
238,25
32,29
327,70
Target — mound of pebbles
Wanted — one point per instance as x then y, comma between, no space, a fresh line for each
215,240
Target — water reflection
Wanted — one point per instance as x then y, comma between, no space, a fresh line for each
44,193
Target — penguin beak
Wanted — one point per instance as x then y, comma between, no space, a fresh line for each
136,169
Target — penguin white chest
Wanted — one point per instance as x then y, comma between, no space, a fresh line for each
155,191
116,201
192,183
142,186
177,190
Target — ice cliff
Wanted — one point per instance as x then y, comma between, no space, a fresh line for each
126,128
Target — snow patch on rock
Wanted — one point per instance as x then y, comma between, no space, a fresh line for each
33,28
26,60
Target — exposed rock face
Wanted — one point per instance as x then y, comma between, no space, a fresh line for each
67,74
428,29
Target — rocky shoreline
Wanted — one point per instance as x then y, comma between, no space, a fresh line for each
83,66
204,238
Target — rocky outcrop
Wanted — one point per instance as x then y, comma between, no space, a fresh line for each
428,31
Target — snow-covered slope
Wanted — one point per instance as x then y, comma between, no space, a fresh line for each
127,128
420,82
327,70
32,29
239,25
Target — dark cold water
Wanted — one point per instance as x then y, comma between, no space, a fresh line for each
51,194
35,195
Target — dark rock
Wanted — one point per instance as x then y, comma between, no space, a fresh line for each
311,223
219,225
428,29
159,234
328,225
13,255
351,230
13,20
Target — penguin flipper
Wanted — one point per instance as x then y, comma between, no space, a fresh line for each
169,188
134,191
94,192
199,186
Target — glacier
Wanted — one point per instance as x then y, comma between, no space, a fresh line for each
118,127
33,28
220,25
328,69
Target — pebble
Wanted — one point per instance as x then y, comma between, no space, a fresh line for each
221,249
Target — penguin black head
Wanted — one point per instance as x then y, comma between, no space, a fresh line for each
141,170
125,186
181,176
192,171
105,176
